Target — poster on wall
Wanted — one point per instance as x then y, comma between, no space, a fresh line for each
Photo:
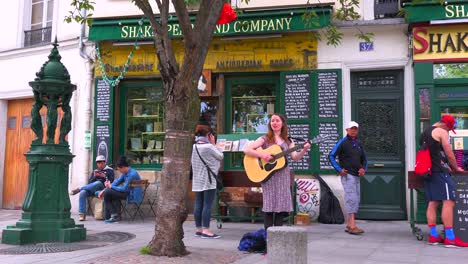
308,197
204,84
103,141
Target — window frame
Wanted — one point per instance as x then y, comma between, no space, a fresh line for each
122,122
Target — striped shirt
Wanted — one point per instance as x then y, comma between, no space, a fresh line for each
212,156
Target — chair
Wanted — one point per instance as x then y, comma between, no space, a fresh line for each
153,199
143,184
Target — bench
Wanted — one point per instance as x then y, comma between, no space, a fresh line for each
254,208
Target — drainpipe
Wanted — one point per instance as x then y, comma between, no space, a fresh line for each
87,96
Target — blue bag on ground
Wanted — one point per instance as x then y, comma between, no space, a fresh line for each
253,241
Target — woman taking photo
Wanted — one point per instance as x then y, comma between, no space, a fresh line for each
204,152
277,200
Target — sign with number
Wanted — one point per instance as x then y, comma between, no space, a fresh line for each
366,46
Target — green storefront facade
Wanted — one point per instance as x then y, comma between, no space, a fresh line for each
440,54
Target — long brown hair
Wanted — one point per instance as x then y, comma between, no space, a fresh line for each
284,129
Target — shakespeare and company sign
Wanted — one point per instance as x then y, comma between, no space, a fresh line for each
248,23
440,43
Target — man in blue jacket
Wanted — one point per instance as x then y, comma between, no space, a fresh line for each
352,166
120,190
96,183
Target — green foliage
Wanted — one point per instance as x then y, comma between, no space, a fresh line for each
333,35
145,250
367,37
453,70
76,15
347,10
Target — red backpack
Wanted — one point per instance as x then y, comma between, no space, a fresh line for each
423,161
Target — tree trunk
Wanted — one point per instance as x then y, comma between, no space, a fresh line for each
181,114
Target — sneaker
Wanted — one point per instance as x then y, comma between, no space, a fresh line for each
215,236
82,217
198,234
454,243
111,220
435,240
75,191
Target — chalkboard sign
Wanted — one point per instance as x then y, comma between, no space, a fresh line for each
103,100
299,131
296,96
331,130
103,141
327,86
460,214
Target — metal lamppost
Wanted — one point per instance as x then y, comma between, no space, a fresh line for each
46,207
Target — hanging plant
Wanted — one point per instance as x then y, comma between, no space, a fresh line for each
227,15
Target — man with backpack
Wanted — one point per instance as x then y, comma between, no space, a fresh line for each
352,166
439,186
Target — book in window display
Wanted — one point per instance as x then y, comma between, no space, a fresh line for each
235,145
243,143
135,143
220,144
158,144
137,109
158,126
227,146
151,145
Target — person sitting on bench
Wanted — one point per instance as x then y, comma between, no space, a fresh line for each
114,193
96,182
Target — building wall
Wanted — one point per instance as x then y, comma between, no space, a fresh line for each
19,66
390,52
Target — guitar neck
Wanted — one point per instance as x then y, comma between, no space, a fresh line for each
286,152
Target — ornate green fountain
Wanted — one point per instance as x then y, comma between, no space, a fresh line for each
46,207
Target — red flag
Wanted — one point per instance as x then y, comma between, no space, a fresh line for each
227,15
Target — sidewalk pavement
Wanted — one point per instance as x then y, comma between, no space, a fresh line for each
383,242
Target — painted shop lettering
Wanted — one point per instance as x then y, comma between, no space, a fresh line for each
247,26
239,64
456,11
260,25
454,42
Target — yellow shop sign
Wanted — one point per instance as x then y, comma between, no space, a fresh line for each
294,52
440,43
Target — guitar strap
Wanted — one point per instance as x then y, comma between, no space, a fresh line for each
210,172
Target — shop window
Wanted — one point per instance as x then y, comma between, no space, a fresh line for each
252,105
144,135
208,109
449,71
424,109
460,113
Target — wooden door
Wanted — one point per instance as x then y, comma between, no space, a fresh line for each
18,141
378,107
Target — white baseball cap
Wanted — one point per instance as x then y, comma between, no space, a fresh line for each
100,158
352,124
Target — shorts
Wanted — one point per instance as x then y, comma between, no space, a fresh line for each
439,187
352,189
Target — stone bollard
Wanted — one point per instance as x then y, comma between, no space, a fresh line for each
287,244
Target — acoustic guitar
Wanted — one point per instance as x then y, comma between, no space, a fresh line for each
258,170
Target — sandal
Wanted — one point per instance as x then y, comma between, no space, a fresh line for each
355,231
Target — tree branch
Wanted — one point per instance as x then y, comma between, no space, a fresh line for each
167,63
184,21
205,24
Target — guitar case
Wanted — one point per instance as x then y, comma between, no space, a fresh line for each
330,209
